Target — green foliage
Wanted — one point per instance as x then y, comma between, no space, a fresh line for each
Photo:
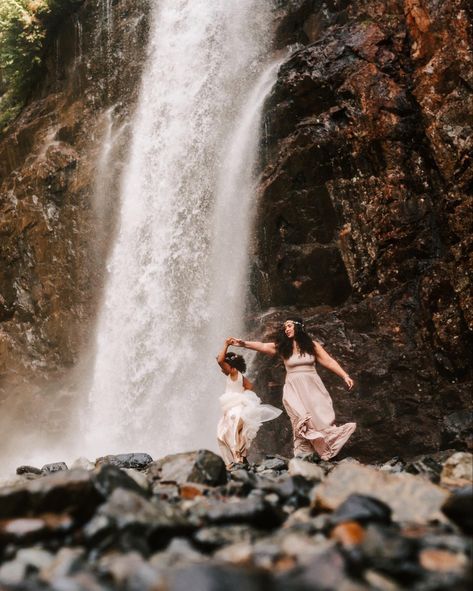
24,26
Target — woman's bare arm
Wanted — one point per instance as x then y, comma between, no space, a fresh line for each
266,348
329,362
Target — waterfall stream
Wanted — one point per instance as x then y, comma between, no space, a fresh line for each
177,273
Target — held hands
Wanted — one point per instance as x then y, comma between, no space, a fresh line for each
232,341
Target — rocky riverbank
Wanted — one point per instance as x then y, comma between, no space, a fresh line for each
184,522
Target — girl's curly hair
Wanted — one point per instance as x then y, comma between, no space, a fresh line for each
236,361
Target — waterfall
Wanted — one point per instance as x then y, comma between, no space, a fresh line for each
177,273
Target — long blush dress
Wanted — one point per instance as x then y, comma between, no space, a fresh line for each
310,409
243,415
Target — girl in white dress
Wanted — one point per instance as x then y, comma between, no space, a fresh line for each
243,412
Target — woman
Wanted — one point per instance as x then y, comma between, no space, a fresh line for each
305,397
243,412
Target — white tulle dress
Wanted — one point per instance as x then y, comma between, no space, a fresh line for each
243,414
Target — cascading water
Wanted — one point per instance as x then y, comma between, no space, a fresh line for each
177,272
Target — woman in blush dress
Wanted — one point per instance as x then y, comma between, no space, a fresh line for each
305,397
243,412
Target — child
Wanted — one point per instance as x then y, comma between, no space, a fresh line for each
243,412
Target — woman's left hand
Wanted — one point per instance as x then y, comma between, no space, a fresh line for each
349,382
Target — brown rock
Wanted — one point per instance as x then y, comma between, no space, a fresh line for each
437,560
349,533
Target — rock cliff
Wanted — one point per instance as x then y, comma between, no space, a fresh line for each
365,211
364,207
57,178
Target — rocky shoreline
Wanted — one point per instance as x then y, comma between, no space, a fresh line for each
183,522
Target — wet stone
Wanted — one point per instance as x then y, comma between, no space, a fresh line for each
362,508
110,477
137,461
55,467
202,467
426,467
459,508
28,470
273,463
71,490
253,510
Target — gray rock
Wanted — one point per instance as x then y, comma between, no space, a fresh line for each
55,467
28,470
277,463
427,467
71,490
252,510
409,497
203,467
137,461
308,470
459,508
361,508
110,477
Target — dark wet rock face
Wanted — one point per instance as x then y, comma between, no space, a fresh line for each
365,214
352,528
55,223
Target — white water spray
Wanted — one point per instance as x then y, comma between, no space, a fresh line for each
178,271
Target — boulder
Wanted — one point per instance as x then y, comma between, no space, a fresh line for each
363,509
202,467
459,508
216,536
309,471
110,477
410,498
72,491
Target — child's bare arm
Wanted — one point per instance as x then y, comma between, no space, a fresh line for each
227,369
247,384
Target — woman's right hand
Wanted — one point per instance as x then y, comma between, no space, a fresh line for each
236,342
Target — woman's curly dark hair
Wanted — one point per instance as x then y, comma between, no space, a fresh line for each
236,361
284,344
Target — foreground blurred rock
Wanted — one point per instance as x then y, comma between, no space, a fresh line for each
338,526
